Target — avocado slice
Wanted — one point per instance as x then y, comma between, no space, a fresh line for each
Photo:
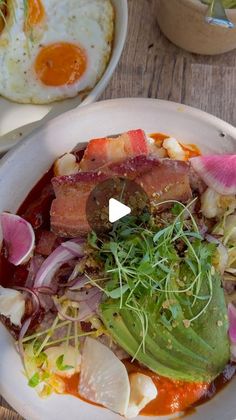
197,352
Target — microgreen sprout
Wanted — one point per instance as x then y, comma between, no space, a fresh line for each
61,365
163,263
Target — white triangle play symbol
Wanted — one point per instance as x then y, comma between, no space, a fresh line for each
117,210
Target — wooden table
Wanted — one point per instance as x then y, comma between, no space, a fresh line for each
153,67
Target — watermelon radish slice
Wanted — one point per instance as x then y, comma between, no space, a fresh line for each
217,171
106,150
18,236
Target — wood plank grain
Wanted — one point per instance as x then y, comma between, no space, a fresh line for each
205,84
153,67
6,414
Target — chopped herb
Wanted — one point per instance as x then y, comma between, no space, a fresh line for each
34,380
60,364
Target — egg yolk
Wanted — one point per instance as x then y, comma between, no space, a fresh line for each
60,64
34,13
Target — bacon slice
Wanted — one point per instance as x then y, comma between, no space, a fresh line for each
68,210
99,152
162,179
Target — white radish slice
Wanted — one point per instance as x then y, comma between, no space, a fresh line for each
104,378
217,171
19,238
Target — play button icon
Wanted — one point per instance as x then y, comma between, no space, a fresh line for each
113,199
117,210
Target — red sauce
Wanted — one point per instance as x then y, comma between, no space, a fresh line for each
36,207
191,150
72,386
173,396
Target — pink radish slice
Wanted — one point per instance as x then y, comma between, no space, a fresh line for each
217,171
18,236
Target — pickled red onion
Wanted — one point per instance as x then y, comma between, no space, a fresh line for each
60,256
18,236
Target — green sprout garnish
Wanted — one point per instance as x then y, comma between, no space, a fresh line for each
60,364
38,378
34,380
144,261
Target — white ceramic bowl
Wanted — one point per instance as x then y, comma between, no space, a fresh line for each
18,120
21,168
183,23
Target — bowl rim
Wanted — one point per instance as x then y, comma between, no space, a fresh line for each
13,158
115,56
197,5
223,126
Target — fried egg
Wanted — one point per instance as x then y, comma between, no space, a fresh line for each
54,49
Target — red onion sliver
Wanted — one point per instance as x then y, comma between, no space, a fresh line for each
81,296
85,311
63,315
232,322
78,282
74,247
86,308
212,239
33,268
23,331
36,302
60,256
45,290
46,301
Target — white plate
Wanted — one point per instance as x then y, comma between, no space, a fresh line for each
23,167
18,120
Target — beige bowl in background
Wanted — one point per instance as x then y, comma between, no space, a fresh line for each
182,21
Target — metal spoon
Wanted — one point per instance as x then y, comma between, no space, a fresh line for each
216,15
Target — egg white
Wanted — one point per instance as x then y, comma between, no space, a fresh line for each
88,23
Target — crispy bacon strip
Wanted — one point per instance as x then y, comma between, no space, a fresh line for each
68,210
162,179
99,152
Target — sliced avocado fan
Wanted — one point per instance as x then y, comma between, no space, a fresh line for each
197,353
165,303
